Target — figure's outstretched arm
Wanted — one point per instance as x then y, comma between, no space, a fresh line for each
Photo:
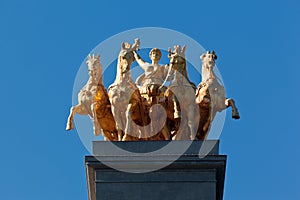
139,60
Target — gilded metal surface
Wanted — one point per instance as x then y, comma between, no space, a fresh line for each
210,96
129,112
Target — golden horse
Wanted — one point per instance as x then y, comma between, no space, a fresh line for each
126,102
93,101
210,96
180,98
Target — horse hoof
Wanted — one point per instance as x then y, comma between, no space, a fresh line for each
97,132
69,127
236,116
125,137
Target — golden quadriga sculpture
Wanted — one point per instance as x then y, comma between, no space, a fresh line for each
146,109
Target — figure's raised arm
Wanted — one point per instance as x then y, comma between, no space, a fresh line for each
139,60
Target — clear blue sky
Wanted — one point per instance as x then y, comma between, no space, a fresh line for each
42,44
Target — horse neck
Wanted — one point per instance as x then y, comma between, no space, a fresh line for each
178,76
100,75
208,72
95,80
182,74
122,77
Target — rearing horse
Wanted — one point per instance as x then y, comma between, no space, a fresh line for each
211,96
93,101
180,96
126,101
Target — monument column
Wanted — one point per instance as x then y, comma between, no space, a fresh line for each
189,177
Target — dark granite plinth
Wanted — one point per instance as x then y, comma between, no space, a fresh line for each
189,177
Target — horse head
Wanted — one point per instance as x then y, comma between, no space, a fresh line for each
177,59
94,66
209,57
208,64
126,57
178,62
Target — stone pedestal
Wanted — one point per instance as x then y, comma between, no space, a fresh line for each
189,177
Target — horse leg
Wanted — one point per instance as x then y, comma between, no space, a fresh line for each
157,121
70,124
190,118
177,113
119,125
75,109
132,130
108,136
166,133
128,127
235,113
97,128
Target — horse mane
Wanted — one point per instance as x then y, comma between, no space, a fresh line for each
183,71
125,49
119,67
